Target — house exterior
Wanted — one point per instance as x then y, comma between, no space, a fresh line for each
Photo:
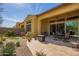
52,21
20,28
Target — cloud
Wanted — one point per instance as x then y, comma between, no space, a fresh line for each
23,5
11,19
18,5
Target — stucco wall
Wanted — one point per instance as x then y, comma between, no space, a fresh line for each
34,25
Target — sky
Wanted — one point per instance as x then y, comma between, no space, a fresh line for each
16,12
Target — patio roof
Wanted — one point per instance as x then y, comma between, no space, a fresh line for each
62,9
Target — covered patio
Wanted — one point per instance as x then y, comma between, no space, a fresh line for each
62,26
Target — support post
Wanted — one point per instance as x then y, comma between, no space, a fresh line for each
65,26
78,29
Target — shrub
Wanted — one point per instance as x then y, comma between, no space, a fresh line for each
10,33
29,36
17,44
9,49
40,54
4,38
1,42
0,39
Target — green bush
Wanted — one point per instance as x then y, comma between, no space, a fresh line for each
0,39
29,36
0,42
9,49
17,44
4,39
10,33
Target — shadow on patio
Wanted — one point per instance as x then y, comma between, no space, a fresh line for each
50,39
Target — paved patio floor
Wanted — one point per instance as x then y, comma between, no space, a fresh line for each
52,48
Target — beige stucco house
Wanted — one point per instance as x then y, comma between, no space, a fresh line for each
53,20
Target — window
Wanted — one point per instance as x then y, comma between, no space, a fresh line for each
28,27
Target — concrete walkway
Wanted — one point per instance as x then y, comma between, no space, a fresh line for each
51,48
23,50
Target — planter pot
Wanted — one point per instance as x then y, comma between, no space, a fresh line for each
35,38
78,46
29,40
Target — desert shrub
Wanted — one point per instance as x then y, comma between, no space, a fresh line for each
0,39
4,38
8,50
17,44
29,36
0,42
40,54
10,33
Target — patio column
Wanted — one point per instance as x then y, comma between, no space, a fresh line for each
39,27
48,28
65,25
78,29
56,27
25,26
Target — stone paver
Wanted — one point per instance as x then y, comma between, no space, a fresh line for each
23,50
53,48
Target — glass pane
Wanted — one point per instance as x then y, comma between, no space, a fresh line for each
72,26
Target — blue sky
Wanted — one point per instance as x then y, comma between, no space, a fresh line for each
16,12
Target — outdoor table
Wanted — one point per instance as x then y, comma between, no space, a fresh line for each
77,36
74,36
41,38
77,43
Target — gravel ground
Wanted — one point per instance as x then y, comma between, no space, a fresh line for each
23,50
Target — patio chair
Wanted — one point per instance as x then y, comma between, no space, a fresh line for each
55,37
